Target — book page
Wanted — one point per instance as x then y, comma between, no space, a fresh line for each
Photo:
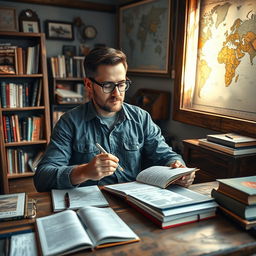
79,197
160,198
104,225
127,188
161,176
23,245
61,232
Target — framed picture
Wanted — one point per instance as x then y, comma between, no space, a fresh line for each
69,50
215,76
29,21
145,36
58,30
8,21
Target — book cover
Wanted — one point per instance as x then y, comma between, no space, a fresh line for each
244,211
232,140
246,224
12,206
242,188
226,149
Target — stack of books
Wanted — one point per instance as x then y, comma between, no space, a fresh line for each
167,206
237,198
230,143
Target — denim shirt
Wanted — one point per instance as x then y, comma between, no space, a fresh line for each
135,140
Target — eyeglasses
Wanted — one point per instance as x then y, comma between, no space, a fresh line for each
109,87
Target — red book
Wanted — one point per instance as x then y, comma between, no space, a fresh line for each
176,222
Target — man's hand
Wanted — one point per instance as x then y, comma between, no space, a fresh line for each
100,166
186,180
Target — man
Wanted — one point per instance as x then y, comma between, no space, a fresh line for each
126,132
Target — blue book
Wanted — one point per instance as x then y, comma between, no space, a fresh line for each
242,189
247,212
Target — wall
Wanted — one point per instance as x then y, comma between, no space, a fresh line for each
103,21
176,130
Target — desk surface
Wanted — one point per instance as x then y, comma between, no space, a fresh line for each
217,236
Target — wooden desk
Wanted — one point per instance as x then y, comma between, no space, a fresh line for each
218,236
214,164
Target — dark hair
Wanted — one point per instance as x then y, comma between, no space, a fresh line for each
103,56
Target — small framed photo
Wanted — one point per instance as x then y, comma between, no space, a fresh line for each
69,50
59,30
8,21
30,26
29,21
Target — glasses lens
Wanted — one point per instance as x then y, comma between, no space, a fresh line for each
108,87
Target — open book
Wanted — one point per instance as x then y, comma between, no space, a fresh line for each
78,197
90,227
162,176
167,207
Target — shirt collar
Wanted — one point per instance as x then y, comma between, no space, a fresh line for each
91,112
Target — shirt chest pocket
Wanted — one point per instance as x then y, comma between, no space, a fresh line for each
131,152
85,152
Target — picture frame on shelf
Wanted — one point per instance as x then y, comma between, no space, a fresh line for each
29,21
69,50
147,44
59,30
8,20
8,60
214,83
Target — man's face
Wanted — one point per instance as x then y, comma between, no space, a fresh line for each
108,104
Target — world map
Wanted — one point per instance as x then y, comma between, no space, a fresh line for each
226,66
144,33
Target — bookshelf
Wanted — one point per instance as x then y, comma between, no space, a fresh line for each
24,110
67,76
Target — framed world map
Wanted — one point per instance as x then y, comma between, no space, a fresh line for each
145,36
216,83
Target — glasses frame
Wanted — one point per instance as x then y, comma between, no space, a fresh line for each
128,83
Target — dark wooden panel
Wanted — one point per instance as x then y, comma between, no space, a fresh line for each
215,164
21,185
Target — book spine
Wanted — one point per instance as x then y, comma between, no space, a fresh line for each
3,94
232,205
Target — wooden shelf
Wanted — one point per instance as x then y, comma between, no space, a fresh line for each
22,109
25,143
68,78
20,175
23,76
15,152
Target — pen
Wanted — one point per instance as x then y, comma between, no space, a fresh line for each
102,150
67,200
229,136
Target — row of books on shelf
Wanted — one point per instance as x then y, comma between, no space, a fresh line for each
63,66
20,161
230,143
16,60
13,95
237,199
18,129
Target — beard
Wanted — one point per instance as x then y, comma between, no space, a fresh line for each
112,104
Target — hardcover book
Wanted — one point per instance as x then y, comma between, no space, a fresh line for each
226,149
12,206
172,206
244,211
232,140
89,227
246,224
242,189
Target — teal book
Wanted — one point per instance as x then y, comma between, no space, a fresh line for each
242,189
247,212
